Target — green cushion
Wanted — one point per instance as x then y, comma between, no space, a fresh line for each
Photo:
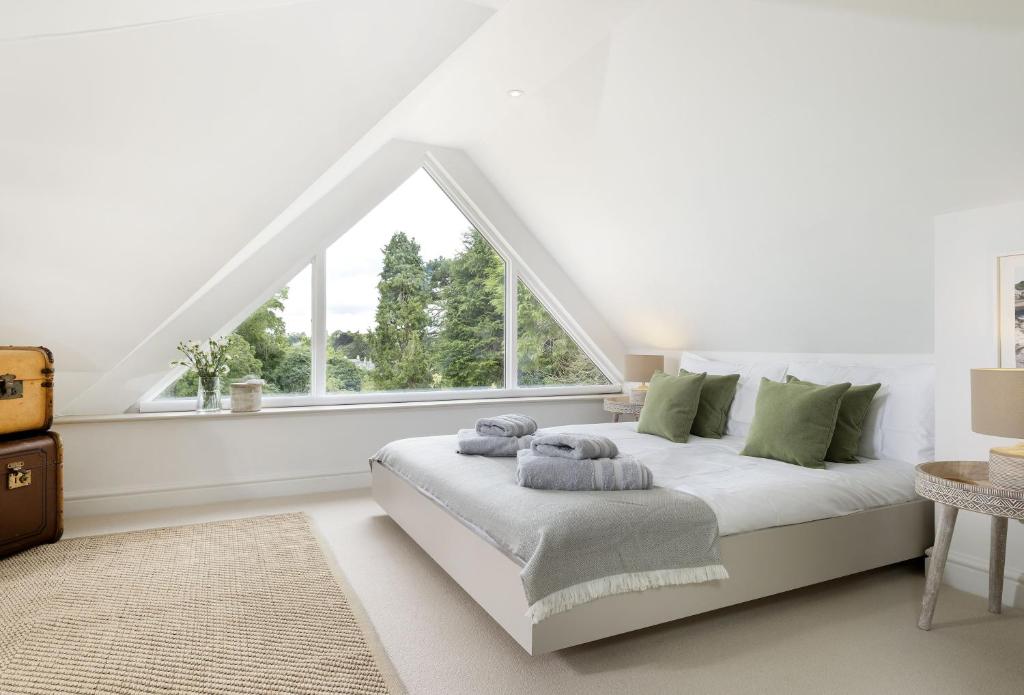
715,400
671,405
794,422
853,411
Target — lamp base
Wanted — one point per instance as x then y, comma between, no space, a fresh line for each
638,394
1006,467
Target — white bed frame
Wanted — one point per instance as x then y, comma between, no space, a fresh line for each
760,563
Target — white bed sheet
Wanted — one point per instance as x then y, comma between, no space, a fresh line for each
749,493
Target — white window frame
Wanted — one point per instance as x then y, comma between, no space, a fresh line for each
515,270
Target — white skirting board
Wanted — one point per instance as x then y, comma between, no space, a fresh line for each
970,574
144,500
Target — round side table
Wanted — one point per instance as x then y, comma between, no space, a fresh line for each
956,485
620,405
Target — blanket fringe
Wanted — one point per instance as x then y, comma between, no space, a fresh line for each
577,594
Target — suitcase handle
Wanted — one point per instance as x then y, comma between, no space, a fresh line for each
10,387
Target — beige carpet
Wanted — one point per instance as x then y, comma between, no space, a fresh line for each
244,606
855,636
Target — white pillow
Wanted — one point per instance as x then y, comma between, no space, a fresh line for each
901,422
742,412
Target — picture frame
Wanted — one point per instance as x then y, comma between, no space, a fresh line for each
1011,311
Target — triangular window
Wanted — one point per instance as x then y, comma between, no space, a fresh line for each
413,302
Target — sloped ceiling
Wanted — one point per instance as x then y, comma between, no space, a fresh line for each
716,174
143,144
742,174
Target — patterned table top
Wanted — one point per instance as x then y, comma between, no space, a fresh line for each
965,485
621,404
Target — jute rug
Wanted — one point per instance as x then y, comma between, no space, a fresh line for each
244,606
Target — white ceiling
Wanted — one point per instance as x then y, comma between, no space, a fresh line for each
134,163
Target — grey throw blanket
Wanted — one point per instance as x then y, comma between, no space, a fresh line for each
557,473
574,547
472,443
575,445
510,425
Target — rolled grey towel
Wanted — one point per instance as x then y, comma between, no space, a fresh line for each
510,425
472,443
575,445
554,473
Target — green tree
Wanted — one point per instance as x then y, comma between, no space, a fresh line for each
342,372
351,344
265,331
291,375
471,311
398,342
547,354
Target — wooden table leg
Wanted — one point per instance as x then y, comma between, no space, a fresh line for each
940,551
615,417
997,564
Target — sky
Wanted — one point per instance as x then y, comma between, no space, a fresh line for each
417,207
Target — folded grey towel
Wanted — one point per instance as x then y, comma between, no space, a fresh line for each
472,443
510,425
575,445
555,473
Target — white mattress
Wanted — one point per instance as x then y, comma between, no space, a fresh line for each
752,493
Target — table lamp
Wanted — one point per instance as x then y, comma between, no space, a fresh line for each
641,368
997,408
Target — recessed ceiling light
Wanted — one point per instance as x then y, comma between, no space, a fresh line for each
516,93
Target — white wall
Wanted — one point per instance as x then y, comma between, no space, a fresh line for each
137,462
966,336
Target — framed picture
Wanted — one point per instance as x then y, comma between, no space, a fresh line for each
1011,311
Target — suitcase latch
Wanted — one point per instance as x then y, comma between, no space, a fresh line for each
17,476
10,387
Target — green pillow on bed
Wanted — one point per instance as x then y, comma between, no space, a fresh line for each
671,405
715,400
794,422
853,411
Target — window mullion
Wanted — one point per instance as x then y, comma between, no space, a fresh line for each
511,326
318,363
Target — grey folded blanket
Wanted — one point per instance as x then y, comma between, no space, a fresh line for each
556,473
472,443
575,445
510,425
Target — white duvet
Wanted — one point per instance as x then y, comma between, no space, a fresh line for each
752,493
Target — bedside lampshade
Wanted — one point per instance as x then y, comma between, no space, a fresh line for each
997,408
641,368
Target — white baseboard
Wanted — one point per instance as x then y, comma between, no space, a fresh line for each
970,574
88,504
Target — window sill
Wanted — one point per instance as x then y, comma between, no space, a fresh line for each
319,409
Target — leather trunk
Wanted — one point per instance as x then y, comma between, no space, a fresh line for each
26,389
31,491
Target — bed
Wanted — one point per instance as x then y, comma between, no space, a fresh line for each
781,526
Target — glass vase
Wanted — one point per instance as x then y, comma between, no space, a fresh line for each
208,400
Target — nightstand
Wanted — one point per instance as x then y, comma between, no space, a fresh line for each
620,405
956,485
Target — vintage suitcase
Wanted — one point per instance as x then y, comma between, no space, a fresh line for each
31,491
26,389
